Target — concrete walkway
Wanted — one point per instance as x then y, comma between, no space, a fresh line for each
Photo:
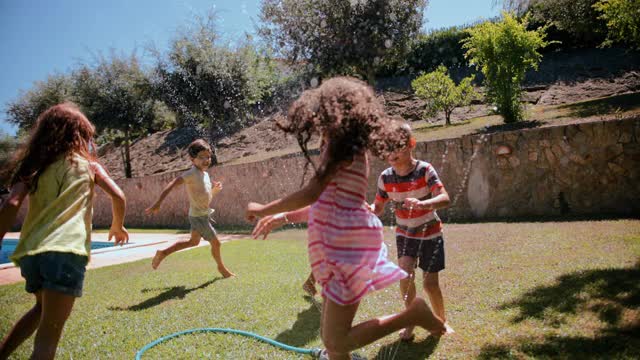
140,246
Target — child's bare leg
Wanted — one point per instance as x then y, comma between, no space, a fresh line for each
194,240
340,337
215,252
309,286
23,329
56,308
407,290
432,288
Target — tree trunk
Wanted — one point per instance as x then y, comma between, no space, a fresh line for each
447,117
371,76
127,155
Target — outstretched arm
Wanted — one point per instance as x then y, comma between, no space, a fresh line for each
299,199
172,185
10,207
270,222
118,203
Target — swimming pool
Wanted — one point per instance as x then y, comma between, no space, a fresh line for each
9,246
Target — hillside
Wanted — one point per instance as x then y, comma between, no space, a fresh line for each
549,103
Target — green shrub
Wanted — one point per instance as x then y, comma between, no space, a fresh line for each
441,93
504,51
623,21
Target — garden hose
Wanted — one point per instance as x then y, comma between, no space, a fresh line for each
313,352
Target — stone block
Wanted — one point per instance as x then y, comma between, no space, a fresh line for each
511,137
564,161
631,149
550,157
544,143
586,128
533,156
557,150
613,151
564,144
514,161
617,169
578,140
577,159
625,137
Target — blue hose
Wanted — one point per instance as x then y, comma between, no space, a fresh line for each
313,352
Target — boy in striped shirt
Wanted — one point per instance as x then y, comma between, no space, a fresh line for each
415,189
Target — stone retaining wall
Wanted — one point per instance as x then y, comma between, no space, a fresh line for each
582,169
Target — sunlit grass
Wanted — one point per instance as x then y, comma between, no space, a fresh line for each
512,290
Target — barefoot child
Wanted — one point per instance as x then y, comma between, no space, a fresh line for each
346,249
200,193
58,173
416,189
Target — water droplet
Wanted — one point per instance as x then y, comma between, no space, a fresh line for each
314,82
226,104
388,43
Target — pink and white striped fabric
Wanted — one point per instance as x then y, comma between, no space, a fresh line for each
347,254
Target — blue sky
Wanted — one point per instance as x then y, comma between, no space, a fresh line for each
42,37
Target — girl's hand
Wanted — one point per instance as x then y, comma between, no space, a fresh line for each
253,211
121,235
152,209
266,224
217,187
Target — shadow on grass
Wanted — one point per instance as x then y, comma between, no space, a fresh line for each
305,329
408,350
605,106
613,295
520,125
170,293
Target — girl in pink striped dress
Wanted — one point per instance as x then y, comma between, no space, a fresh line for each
346,249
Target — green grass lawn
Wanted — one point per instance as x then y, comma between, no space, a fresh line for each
567,290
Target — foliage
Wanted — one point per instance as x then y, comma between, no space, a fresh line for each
438,47
24,111
341,37
207,82
504,51
623,21
116,95
573,22
8,146
441,93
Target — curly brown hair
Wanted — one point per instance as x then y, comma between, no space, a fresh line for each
61,130
347,110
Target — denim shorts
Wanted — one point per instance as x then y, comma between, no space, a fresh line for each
58,271
203,225
430,253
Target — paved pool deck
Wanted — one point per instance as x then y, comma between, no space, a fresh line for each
140,246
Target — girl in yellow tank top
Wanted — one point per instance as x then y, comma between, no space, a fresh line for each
58,173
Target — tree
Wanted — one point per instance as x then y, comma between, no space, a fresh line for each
115,95
504,51
623,21
207,82
576,18
24,111
339,36
441,93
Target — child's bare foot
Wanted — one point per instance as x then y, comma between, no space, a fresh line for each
407,334
426,318
309,288
448,329
157,259
225,272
